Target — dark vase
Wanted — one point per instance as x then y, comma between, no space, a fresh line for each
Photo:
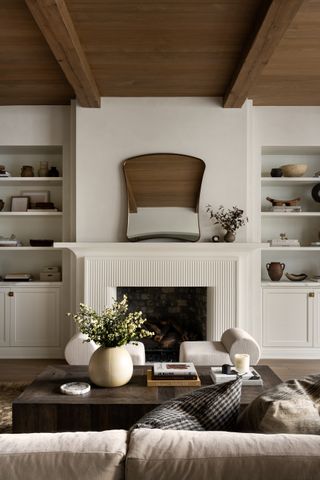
276,172
53,172
275,270
229,237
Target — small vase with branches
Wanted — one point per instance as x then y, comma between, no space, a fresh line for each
229,219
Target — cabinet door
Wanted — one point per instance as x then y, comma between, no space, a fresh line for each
288,317
35,317
4,316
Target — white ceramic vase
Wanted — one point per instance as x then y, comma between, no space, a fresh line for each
110,367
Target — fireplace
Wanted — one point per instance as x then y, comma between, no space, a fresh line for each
174,314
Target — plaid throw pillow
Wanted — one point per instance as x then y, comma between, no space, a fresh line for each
209,408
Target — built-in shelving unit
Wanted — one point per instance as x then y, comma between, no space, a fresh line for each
28,225
303,226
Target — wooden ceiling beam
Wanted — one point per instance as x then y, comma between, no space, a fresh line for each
279,15
55,23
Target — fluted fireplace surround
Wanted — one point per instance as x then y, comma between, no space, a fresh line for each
225,269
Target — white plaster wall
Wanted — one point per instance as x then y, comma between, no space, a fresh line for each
34,125
125,127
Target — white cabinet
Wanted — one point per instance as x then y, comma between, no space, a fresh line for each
288,317
30,316
4,317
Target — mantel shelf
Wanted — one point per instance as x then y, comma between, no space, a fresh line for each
28,248
292,249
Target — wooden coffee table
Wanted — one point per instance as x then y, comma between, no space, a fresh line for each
42,408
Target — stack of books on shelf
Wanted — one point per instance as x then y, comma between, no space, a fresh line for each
9,242
250,378
17,277
285,208
42,207
279,242
173,375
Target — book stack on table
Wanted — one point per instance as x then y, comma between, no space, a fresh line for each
173,375
251,378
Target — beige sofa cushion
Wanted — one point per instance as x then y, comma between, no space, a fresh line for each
63,456
179,455
290,407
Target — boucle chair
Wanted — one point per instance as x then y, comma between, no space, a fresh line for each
233,340
78,352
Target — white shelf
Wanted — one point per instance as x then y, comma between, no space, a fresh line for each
292,249
290,214
24,181
32,283
288,283
282,181
31,214
28,248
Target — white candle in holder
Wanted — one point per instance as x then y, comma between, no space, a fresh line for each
242,363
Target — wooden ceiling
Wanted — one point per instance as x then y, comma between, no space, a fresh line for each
54,50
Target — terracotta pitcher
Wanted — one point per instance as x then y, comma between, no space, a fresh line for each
275,270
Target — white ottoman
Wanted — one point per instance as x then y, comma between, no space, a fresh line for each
233,340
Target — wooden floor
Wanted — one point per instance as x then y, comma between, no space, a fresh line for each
26,370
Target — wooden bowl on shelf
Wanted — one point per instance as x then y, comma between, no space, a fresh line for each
296,277
279,203
294,170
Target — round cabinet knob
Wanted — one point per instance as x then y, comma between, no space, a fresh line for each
11,294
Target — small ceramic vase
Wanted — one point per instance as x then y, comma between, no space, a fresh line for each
1,204
275,270
110,367
43,170
276,172
53,172
27,171
229,237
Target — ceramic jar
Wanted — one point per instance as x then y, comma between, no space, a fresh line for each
276,172
110,367
275,270
43,170
229,237
1,204
27,171
53,172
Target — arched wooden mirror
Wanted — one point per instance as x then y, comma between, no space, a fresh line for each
163,196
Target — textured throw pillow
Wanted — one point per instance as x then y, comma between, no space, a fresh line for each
291,407
209,408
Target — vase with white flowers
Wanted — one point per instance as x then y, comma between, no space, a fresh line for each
230,220
112,329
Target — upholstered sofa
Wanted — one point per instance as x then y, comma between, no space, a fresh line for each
159,454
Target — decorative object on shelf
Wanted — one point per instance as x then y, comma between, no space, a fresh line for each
50,274
294,169
3,172
43,170
231,220
284,242
19,204
317,174
36,196
216,238
315,192
280,203
296,277
111,364
315,278
9,241
17,277
43,207
53,172
283,236
27,171
275,270
276,172
75,388
41,243
2,204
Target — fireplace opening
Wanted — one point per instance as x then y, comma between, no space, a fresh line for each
174,314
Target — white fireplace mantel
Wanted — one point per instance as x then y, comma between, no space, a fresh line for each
226,269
